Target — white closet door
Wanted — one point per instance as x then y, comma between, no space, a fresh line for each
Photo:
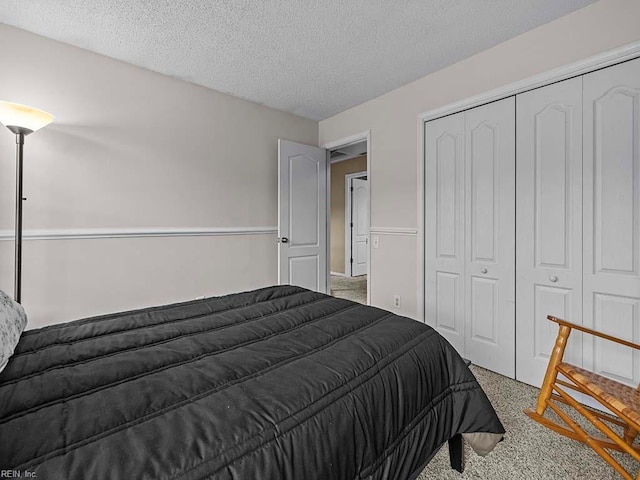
444,220
612,217
490,236
548,224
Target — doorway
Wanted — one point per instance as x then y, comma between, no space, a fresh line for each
304,220
349,221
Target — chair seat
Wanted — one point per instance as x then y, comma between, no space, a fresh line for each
621,398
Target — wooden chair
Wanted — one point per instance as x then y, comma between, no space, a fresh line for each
623,401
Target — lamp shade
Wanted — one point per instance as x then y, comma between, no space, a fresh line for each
23,119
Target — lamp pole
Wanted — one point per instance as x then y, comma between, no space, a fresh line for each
18,231
21,120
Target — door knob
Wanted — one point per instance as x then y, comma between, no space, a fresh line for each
553,278
284,240
483,270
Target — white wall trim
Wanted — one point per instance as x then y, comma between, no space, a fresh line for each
581,67
421,263
393,231
358,137
101,233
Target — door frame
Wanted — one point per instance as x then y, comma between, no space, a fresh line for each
348,218
343,142
581,67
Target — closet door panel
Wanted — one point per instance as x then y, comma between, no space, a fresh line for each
618,316
548,223
612,217
444,216
489,235
484,310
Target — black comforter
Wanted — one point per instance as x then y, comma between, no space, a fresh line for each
279,383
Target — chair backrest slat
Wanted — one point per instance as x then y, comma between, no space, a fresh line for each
594,332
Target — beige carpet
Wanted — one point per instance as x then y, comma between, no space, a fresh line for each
529,450
351,288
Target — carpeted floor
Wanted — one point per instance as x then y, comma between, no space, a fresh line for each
351,288
529,450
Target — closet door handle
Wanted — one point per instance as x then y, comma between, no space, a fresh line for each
284,240
553,278
483,270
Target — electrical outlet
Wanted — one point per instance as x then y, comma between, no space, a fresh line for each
376,242
396,301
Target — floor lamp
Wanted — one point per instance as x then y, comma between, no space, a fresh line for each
22,121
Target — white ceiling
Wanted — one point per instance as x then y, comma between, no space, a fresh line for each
313,58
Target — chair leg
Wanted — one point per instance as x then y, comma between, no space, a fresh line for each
586,438
552,374
456,453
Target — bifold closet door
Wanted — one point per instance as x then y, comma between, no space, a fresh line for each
444,220
490,236
548,224
612,218
469,233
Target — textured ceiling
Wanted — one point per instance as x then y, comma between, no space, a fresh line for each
311,58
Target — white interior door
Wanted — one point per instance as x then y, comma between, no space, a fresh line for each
612,218
359,226
302,215
490,236
548,224
444,228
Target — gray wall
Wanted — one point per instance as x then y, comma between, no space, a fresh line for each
134,149
393,121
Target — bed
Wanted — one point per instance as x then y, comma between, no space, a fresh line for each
277,383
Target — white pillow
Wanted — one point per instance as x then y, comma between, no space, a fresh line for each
12,323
